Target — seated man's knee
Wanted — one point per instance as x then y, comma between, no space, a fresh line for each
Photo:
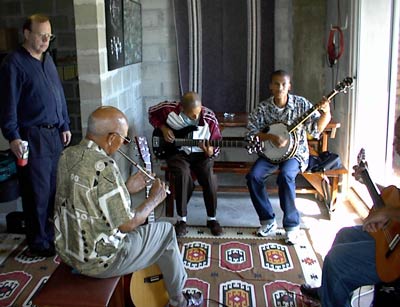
254,177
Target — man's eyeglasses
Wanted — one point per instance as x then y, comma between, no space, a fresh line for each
45,36
127,140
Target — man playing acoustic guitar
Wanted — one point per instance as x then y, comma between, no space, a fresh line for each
96,230
352,261
283,108
174,118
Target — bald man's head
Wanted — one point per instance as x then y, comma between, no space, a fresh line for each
105,120
191,104
191,100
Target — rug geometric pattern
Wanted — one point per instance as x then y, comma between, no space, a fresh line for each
248,270
20,274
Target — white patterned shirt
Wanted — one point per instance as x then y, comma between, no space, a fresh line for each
267,113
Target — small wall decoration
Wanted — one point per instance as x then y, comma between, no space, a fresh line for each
123,32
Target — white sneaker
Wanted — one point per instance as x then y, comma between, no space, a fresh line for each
267,230
292,236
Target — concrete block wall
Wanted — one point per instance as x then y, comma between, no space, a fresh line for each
98,86
13,14
159,67
309,42
284,35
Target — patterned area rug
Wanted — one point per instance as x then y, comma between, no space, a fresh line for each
21,275
240,269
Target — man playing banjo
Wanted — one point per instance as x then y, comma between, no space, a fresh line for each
284,149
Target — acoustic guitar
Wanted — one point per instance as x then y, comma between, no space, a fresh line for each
278,155
388,238
147,287
163,149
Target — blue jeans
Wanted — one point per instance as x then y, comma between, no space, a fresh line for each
286,181
349,264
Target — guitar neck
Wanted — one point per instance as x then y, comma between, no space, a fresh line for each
372,189
219,143
306,115
151,218
149,171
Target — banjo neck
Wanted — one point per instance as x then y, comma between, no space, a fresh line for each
306,115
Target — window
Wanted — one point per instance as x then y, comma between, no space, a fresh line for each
377,87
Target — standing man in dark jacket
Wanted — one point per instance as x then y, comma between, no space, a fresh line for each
33,109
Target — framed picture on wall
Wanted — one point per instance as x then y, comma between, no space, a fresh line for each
132,32
123,32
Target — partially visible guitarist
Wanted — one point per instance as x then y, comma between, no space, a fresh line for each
351,261
285,108
172,117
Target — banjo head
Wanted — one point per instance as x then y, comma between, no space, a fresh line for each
275,154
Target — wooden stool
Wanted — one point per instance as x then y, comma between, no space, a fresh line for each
66,289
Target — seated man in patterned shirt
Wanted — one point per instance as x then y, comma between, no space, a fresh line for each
285,108
96,231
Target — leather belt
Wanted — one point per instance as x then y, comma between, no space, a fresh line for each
46,126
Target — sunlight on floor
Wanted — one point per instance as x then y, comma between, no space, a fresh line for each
322,230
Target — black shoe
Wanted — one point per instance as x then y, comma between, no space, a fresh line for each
195,299
42,252
180,229
307,290
215,227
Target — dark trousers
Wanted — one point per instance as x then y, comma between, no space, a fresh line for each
38,184
181,166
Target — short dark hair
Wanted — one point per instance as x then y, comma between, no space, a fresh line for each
281,73
34,18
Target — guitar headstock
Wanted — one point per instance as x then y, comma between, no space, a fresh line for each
361,166
344,85
144,151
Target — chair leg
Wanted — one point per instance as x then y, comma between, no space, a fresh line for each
169,201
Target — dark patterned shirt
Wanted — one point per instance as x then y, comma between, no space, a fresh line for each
267,113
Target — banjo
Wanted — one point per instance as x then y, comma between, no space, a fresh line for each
288,132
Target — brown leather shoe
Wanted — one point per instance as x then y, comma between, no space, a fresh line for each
180,229
215,227
307,290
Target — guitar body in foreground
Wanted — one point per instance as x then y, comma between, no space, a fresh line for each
278,155
387,260
387,239
147,288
